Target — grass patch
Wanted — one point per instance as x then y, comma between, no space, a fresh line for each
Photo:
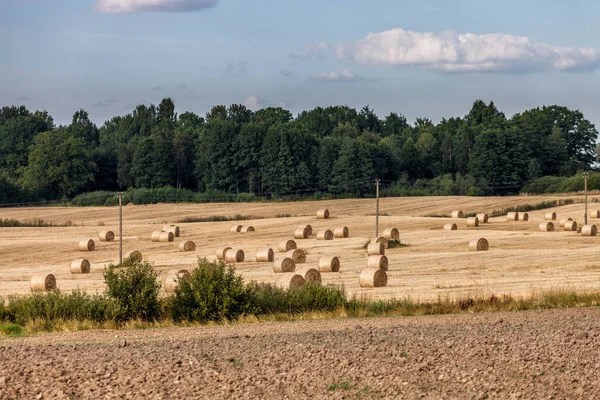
11,330
223,218
394,244
33,223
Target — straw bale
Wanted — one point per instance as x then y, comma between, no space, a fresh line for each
589,230
287,245
373,278
472,222
221,252
265,255
329,264
284,264
310,275
341,232
187,245
81,266
325,234
87,245
106,236
547,227
173,277
450,227
376,249
299,256
42,283
378,262
323,214
479,245
458,214
288,281
234,256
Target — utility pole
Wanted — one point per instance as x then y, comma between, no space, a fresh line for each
377,209
585,215
120,228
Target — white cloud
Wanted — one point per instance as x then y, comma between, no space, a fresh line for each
132,6
318,51
252,102
342,76
457,52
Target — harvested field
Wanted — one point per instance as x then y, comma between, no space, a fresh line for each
435,262
520,355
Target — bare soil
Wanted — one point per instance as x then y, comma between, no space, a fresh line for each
526,355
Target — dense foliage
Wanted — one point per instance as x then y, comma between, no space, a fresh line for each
336,150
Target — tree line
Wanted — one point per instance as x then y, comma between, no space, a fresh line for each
334,149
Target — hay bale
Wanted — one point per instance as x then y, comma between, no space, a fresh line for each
87,245
341,232
380,262
550,216
265,255
479,245
155,237
450,227
391,234
310,275
323,214
235,228
570,226
310,230
106,236
458,214
166,237
595,214
563,221
187,245
472,222
234,256
246,229
373,278
288,281
81,266
302,232
523,217
133,255
329,264
381,240
325,234
172,228
42,283
299,256
173,277
589,230
221,253
512,216
483,218
284,264
376,249
547,227
287,245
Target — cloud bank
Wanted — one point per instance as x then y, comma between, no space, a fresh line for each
133,6
452,52
342,76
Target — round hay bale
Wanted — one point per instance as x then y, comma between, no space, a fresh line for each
284,264
595,214
329,264
87,245
373,278
288,281
546,227
234,256
341,232
523,217
310,230
450,227
380,262
512,216
287,245
323,214
302,232
299,256
235,228
173,277
325,234
130,204
187,245
166,237
589,230
563,221
106,236
483,218
550,216
376,249
221,253
479,245
472,222
42,283
570,226
391,233
310,275
173,229
382,240
81,266
133,255
265,255
246,229
155,237
458,214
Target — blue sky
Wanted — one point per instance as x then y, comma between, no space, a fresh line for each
419,58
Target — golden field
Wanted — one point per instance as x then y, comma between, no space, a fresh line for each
521,260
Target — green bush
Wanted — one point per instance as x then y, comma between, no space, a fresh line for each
269,299
134,287
98,198
213,292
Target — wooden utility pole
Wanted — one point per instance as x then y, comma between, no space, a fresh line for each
377,209
120,228
585,215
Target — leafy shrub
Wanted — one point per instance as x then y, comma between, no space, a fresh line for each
134,286
213,292
98,198
269,299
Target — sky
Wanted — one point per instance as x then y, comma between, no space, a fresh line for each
423,59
